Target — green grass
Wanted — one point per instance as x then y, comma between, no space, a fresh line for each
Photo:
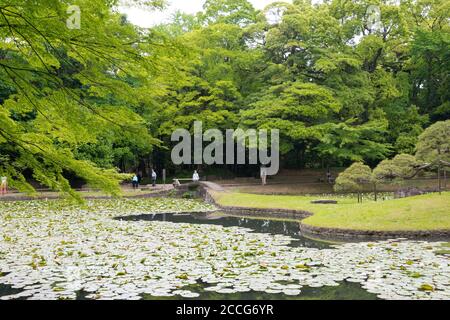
427,212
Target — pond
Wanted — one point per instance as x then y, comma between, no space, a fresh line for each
345,291
260,225
130,249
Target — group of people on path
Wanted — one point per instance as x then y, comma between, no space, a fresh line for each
137,178
195,177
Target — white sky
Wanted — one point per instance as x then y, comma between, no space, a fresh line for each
148,19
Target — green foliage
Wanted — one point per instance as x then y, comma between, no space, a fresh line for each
434,143
352,179
401,167
293,107
67,88
345,141
237,12
87,102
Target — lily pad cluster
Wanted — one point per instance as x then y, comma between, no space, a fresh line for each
52,250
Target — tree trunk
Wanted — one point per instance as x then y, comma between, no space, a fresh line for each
375,191
439,179
445,178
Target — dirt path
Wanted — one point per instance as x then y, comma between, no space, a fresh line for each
212,186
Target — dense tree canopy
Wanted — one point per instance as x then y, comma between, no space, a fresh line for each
89,102
339,88
66,90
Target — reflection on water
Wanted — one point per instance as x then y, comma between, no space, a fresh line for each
288,228
345,291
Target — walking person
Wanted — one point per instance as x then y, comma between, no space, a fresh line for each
263,176
4,186
195,177
329,177
135,182
154,177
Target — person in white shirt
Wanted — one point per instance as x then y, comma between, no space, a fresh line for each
195,176
154,176
263,176
4,186
135,181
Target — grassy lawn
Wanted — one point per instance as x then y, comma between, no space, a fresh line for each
428,212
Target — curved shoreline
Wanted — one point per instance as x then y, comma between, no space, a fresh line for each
352,234
314,232
267,213
330,234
